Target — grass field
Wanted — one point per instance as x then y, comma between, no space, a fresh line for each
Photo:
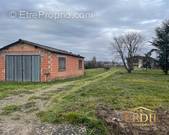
77,103
10,88
114,88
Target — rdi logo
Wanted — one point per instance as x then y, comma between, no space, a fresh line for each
140,116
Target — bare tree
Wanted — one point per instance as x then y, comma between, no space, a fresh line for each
127,46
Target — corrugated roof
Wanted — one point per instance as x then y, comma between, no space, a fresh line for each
51,49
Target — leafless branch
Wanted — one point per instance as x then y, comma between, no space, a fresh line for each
127,46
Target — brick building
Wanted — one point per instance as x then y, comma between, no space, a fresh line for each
28,61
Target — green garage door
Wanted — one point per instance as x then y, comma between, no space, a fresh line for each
23,68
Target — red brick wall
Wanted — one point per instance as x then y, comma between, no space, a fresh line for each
72,67
2,69
49,62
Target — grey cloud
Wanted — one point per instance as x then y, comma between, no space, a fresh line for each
89,37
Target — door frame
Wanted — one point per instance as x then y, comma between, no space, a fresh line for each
27,54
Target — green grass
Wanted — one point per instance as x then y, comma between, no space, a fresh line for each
10,109
77,103
14,88
114,88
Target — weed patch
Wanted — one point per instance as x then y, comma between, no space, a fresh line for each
10,109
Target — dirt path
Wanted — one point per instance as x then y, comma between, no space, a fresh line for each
24,120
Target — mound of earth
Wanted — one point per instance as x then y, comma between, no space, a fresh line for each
117,126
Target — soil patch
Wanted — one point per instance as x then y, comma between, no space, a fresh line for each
117,126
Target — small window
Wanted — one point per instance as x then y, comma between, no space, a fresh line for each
62,63
80,64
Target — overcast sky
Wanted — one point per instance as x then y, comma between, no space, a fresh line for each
90,36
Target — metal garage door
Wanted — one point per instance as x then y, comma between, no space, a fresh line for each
23,68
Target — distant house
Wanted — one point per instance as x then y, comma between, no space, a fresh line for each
143,62
28,61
